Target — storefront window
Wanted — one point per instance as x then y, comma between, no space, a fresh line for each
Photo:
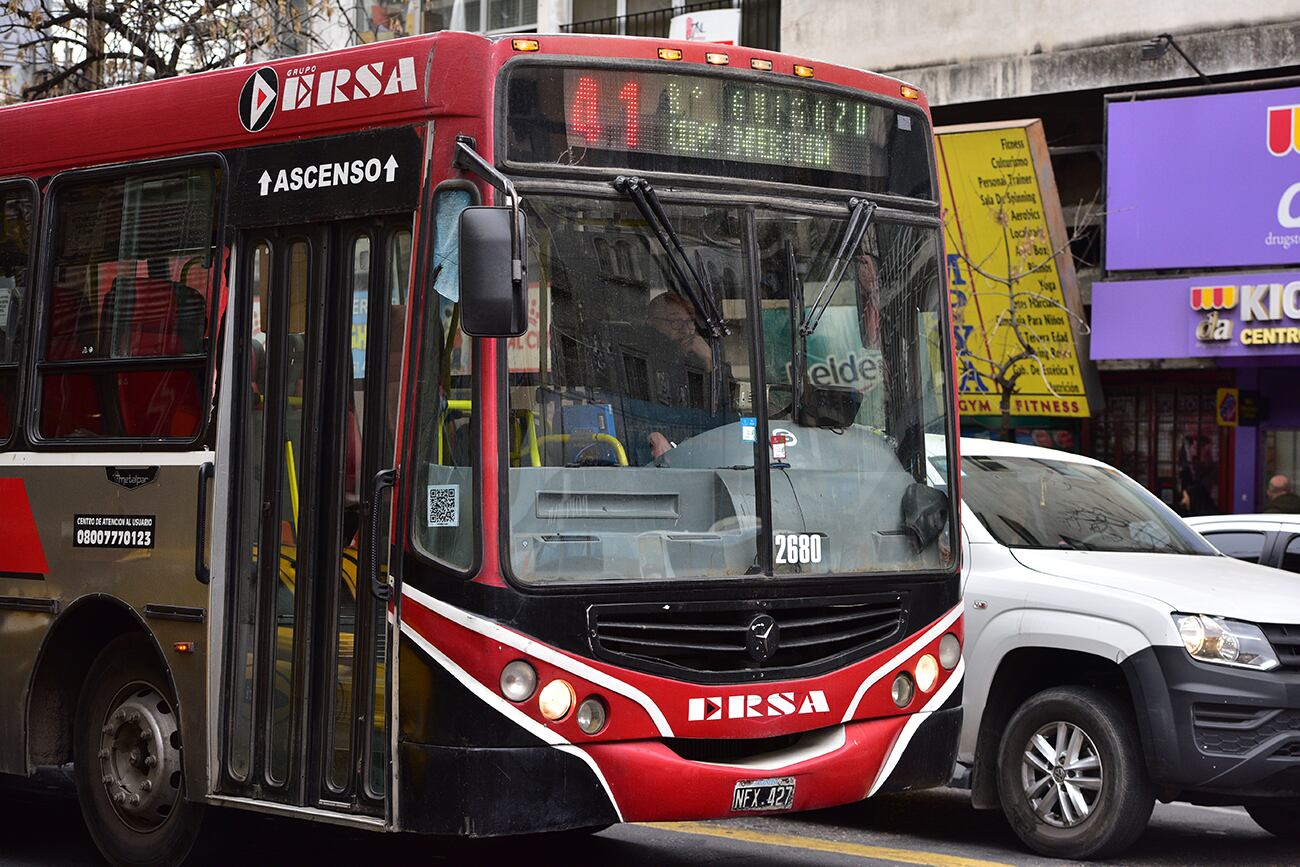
1166,437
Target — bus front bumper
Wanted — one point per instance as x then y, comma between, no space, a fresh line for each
501,791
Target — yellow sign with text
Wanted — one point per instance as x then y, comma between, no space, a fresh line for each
1009,310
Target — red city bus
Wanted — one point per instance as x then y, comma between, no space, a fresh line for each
329,490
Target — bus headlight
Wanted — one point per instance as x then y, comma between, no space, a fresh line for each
949,651
903,689
1226,642
518,680
556,700
592,715
927,672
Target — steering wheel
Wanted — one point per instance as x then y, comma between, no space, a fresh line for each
584,459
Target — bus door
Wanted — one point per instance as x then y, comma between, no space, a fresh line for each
321,317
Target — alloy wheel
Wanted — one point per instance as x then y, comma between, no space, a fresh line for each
1062,774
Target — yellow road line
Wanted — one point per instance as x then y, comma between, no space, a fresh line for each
817,844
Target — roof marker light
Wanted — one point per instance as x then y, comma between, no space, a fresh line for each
525,44
760,63
670,54
716,58
803,71
909,92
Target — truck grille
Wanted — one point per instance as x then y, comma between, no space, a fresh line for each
1286,643
1234,729
711,640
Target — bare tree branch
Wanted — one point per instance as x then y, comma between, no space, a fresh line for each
83,45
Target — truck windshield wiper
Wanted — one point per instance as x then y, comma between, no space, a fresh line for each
859,219
691,282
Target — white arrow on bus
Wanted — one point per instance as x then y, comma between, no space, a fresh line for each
265,182
391,166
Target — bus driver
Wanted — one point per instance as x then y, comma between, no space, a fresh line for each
673,316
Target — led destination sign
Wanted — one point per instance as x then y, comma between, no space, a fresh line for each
714,124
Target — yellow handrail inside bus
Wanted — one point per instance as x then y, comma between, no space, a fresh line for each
293,482
609,439
452,406
524,420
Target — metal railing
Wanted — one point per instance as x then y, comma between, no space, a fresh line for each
760,21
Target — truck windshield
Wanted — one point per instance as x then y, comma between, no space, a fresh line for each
636,450
1042,503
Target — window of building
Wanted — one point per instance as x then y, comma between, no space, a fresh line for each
127,310
377,21
477,16
16,210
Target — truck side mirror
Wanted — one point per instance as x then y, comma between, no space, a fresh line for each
494,300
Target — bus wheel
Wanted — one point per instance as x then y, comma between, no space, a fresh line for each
1281,818
1071,777
128,760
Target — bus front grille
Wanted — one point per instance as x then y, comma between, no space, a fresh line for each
715,640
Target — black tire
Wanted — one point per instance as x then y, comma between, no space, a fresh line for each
112,755
1123,795
1281,818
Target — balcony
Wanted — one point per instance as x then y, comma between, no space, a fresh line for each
760,21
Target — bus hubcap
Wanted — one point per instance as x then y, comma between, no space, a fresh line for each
140,758
1062,774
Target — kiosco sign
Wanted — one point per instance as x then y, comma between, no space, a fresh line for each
1203,181
1230,315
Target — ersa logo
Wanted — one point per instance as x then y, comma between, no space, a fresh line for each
309,87
754,705
258,99
1213,299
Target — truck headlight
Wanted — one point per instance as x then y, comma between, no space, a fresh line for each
1227,642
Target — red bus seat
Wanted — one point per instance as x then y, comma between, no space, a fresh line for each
156,317
70,404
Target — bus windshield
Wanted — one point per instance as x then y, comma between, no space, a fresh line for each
636,448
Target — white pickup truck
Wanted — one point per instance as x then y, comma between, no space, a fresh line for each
1114,657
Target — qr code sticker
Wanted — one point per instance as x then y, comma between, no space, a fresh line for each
444,506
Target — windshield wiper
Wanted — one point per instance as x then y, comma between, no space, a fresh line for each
859,219
798,338
690,284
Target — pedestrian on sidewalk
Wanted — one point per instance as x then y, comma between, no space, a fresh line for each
1280,496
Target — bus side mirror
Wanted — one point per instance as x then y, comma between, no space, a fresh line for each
494,301
925,514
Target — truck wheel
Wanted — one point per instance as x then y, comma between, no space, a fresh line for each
1071,777
1281,818
128,760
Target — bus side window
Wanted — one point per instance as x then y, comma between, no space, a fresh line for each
16,208
445,422
133,260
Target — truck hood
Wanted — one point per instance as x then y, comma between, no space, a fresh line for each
1193,584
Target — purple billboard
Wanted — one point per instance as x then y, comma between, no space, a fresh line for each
1203,181
1211,316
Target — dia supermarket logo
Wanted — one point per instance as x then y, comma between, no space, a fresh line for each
1283,129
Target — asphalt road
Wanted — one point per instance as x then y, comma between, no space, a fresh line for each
928,828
